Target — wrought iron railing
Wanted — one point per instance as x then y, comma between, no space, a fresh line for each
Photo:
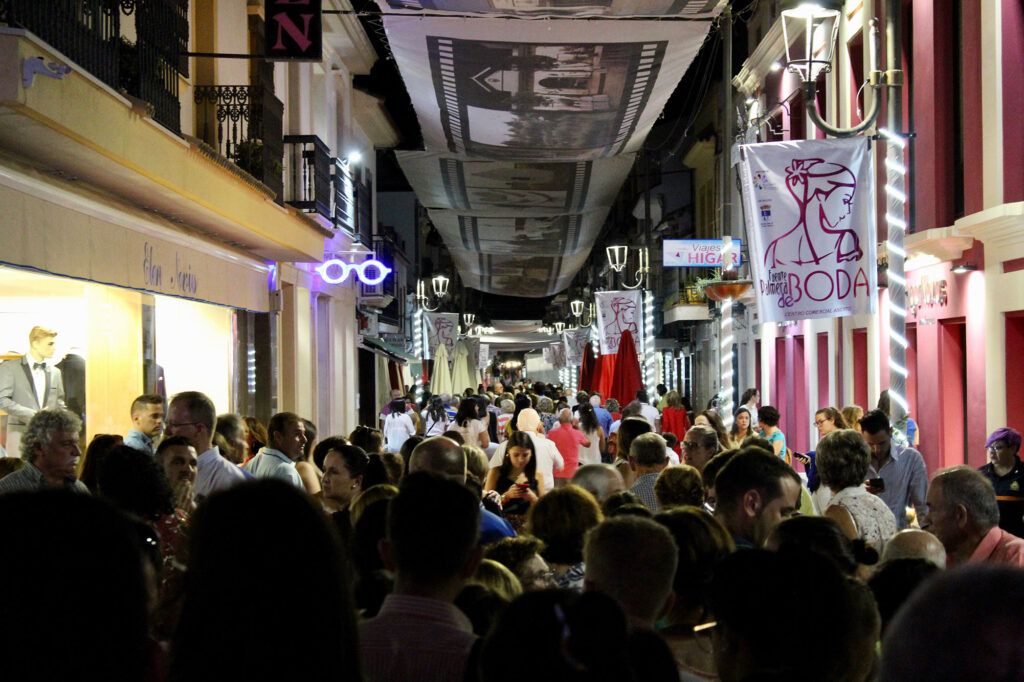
90,33
244,124
309,162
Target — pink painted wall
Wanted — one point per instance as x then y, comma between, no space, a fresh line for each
942,360
822,370
1013,100
933,96
970,93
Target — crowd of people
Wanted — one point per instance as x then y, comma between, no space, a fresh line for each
513,532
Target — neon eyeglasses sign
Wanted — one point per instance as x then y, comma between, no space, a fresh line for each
336,271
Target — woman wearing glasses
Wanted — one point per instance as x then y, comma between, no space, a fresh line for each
826,420
1006,472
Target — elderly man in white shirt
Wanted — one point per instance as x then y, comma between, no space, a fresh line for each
548,456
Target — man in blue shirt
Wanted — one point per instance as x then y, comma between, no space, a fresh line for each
901,469
604,417
148,423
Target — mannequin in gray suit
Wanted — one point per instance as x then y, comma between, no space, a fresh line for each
29,385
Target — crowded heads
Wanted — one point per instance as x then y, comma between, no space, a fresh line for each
648,450
50,442
633,560
843,459
600,480
148,414
191,414
432,530
287,434
754,491
440,456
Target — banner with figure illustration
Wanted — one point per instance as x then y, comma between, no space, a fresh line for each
618,311
442,328
576,343
810,215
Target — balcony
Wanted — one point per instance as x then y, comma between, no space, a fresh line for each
243,123
309,188
96,35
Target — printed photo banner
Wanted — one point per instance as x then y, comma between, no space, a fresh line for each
576,341
513,188
518,90
442,328
484,361
693,9
810,209
530,276
539,236
617,311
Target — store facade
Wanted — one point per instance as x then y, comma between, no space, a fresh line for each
146,306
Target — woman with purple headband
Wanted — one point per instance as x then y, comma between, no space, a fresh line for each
1006,472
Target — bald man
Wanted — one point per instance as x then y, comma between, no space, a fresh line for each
444,457
912,543
601,480
440,456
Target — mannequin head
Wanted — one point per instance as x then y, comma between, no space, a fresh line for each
41,343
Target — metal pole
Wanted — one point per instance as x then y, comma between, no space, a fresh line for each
896,200
726,360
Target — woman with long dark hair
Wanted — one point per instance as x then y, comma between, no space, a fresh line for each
516,480
712,419
591,428
742,427
435,419
398,426
470,425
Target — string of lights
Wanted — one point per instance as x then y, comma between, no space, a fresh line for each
896,201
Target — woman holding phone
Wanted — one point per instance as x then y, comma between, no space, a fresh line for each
516,480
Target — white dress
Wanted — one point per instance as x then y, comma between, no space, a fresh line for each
874,520
397,429
471,431
591,455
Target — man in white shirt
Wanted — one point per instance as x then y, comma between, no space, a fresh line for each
648,411
287,436
192,416
548,456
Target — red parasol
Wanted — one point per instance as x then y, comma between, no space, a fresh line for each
586,370
626,377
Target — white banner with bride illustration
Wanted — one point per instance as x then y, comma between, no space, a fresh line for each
810,215
617,311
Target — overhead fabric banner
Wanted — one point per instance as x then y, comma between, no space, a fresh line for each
577,342
513,188
617,311
810,215
442,328
484,361
691,9
508,89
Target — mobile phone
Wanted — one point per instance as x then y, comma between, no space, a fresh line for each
877,484
801,457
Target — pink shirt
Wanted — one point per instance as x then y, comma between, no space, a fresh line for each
415,639
567,439
999,547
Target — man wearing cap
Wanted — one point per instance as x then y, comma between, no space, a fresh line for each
1006,472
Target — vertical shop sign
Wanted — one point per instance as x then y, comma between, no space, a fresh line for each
294,30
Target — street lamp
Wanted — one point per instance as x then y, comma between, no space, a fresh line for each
439,286
618,256
468,318
576,307
815,21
